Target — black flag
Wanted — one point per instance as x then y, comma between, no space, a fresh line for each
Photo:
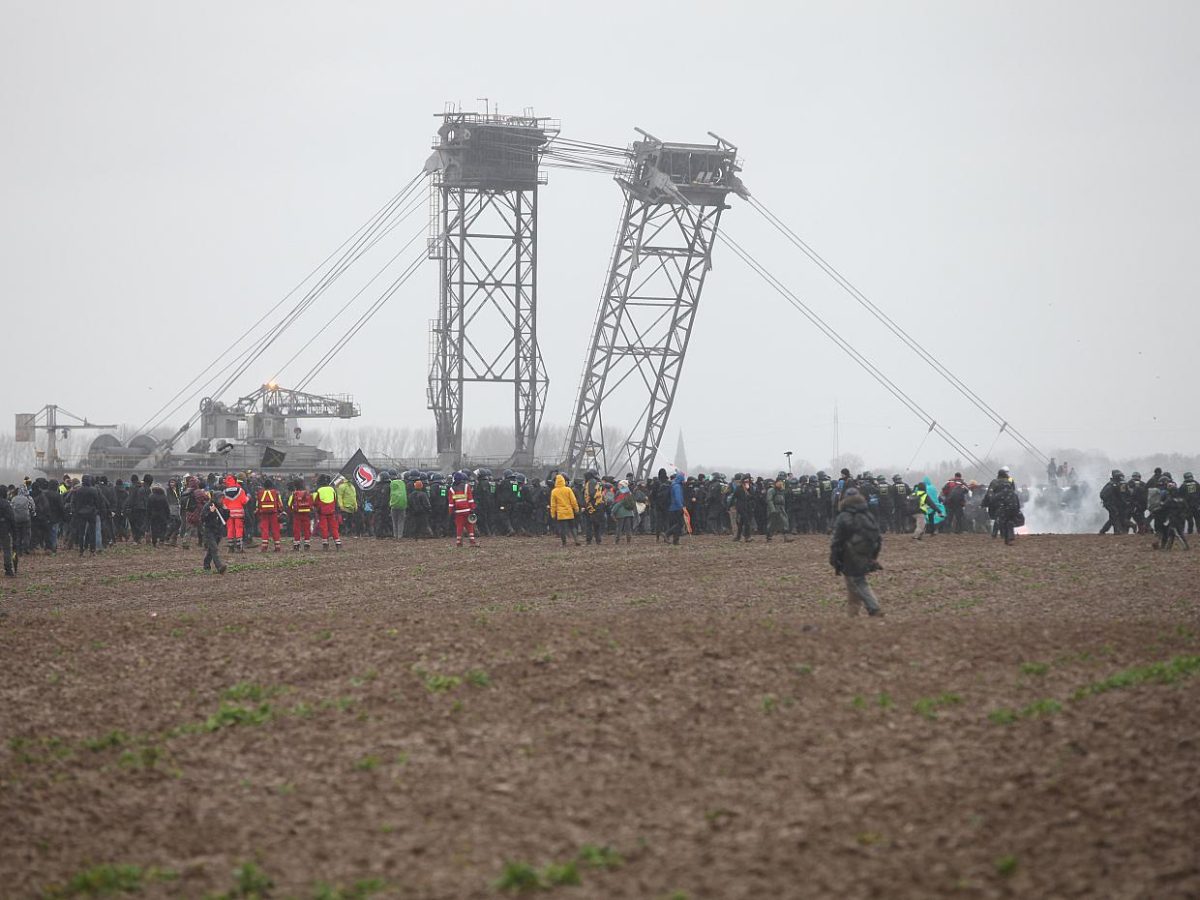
359,468
272,458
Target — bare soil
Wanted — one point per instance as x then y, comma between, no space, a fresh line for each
419,716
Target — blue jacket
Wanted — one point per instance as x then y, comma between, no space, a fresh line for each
676,493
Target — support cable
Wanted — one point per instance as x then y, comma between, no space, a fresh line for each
158,417
849,350
362,320
387,265
382,224
912,343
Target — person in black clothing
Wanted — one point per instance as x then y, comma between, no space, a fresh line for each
52,514
109,495
1006,506
85,507
1114,495
212,532
419,509
660,499
135,507
854,551
8,530
743,502
158,511
1190,491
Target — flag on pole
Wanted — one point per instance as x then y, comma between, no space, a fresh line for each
272,458
359,468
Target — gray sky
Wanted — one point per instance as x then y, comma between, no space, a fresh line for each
1017,182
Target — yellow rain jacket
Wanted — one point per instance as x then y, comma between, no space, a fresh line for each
347,499
563,505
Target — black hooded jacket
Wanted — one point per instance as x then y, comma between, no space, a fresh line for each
856,541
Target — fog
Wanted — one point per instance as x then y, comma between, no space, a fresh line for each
1015,183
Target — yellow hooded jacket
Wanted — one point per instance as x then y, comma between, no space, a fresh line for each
347,498
563,505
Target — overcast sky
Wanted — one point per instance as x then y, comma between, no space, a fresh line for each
1016,182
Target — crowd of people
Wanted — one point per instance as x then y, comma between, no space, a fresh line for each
236,511
1159,504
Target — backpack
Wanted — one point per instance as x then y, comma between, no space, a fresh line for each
1154,500
199,499
865,540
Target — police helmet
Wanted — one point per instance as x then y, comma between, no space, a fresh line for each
1187,476
508,473
821,475
437,478
896,479
519,478
483,473
460,477
1136,475
1117,474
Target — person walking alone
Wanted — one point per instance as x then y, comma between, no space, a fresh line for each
854,552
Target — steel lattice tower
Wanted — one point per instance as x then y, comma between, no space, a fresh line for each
674,197
485,236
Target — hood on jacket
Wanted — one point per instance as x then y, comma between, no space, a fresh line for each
560,481
678,479
853,501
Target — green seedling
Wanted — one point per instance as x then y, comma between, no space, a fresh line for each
600,857
929,706
518,877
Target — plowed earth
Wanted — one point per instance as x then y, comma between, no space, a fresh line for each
417,717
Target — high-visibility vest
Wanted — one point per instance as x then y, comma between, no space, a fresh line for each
268,500
462,502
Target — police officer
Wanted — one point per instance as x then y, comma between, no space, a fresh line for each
902,518
507,491
1190,491
1113,496
824,501
884,496
1138,499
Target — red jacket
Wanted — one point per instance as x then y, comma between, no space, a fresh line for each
235,501
462,501
269,503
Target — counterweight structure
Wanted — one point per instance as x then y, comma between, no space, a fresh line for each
674,197
486,177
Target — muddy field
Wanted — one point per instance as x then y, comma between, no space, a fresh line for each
650,722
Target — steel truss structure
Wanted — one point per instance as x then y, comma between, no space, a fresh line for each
485,237
674,197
